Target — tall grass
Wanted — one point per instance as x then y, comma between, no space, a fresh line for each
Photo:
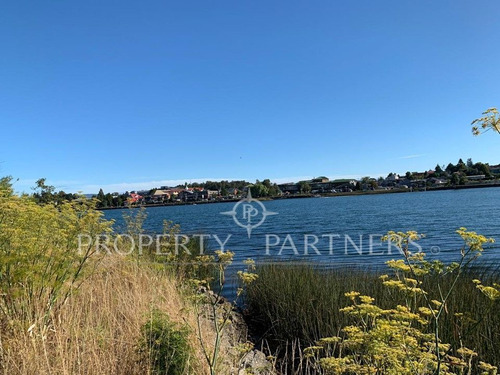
98,329
292,306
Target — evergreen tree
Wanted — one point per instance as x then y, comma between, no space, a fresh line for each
438,171
101,198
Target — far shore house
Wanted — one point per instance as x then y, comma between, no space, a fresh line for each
163,195
160,195
135,198
418,183
193,195
289,188
392,178
319,185
212,194
348,183
478,177
438,181
495,169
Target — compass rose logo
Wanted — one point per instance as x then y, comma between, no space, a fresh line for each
249,213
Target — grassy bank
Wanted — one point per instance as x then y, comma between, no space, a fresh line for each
73,308
99,329
290,307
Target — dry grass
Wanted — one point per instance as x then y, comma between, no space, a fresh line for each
97,330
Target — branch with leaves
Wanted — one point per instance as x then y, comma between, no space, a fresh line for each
489,121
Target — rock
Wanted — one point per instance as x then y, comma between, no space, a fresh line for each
255,363
235,336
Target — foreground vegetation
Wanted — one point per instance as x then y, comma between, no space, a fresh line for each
292,307
72,309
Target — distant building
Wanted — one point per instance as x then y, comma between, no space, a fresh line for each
343,184
392,178
319,185
289,188
495,169
437,181
420,182
135,198
160,195
319,180
478,177
344,181
193,195
213,194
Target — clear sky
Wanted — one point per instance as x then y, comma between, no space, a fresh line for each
129,94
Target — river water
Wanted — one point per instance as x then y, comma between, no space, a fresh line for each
339,231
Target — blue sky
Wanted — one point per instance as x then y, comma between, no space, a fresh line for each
125,94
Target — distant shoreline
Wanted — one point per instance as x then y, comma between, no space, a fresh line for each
298,196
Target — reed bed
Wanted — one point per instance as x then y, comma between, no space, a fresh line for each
289,307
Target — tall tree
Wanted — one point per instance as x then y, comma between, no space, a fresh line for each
438,171
461,167
259,190
6,186
450,168
43,193
101,198
304,187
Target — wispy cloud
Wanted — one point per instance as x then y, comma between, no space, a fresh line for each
411,156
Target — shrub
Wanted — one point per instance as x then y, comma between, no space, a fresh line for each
41,259
164,345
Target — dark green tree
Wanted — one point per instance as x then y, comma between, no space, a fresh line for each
43,193
462,180
6,186
101,198
304,187
461,166
109,200
438,171
223,189
259,189
450,168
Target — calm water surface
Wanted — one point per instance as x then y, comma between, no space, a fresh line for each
437,214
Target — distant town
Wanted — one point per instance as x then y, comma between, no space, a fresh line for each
461,175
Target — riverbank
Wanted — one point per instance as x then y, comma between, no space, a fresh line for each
298,196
